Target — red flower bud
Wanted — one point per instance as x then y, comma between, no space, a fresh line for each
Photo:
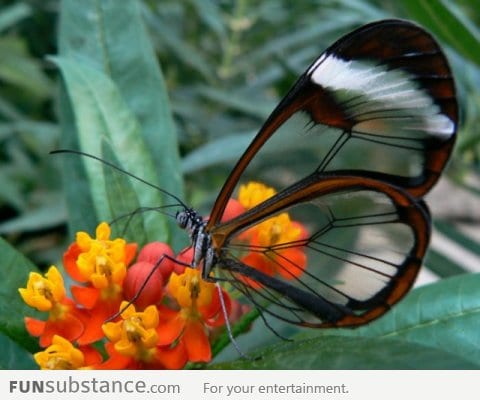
153,252
153,290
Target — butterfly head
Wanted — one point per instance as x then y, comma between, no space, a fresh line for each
188,219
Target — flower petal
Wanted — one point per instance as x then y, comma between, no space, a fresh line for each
130,251
196,343
113,330
57,288
126,348
86,296
61,354
233,209
174,357
257,261
169,330
92,356
214,315
93,330
254,193
150,317
70,263
34,326
69,327
291,263
115,360
103,231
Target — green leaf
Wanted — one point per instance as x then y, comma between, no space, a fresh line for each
446,20
44,217
21,69
11,15
186,53
237,102
120,188
110,37
224,149
39,137
14,356
442,319
15,270
11,193
444,315
102,119
259,337
295,40
343,352
211,15
75,182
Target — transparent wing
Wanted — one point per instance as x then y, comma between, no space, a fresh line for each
335,252
379,103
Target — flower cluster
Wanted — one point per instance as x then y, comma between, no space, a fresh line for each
289,262
145,310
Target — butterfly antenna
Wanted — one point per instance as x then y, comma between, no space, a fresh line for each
129,216
81,153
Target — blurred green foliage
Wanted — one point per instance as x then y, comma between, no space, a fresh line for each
225,65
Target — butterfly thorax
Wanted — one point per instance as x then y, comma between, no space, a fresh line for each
201,240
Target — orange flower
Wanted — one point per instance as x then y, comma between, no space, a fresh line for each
200,310
135,342
48,294
176,312
136,335
102,263
61,354
288,262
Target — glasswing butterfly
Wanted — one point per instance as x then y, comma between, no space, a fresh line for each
379,114
352,148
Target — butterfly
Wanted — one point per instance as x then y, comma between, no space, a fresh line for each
374,120
352,149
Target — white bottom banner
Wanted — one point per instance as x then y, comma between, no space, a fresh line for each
236,385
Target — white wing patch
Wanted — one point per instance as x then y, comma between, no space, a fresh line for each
382,101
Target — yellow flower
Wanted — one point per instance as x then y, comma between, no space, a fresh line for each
102,261
200,311
44,293
253,193
279,229
288,258
135,336
60,355
190,290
